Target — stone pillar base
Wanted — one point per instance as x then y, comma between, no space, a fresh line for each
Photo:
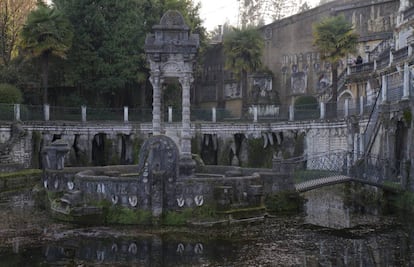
186,167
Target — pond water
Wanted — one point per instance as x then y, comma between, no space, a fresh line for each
29,238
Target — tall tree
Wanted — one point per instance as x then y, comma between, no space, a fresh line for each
243,49
46,33
107,61
13,14
334,38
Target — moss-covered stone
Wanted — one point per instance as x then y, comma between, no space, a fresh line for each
123,215
259,157
136,144
284,202
36,139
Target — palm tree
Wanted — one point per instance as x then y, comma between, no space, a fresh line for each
243,49
46,33
334,38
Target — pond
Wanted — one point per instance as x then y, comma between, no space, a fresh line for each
28,237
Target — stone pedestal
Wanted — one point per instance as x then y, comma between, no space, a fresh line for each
54,155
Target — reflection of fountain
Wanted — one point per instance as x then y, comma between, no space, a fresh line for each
141,250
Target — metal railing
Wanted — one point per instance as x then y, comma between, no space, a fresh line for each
338,163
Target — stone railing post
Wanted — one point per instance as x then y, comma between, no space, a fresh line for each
346,107
125,114
46,112
291,113
406,83
323,110
384,92
254,113
170,114
16,112
83,108
213,114
361,105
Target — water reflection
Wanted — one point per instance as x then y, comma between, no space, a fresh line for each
343,206
142,251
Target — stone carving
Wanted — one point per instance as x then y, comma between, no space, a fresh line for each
261,91
172,18
299,82
171,67
268,33
232,91
159,153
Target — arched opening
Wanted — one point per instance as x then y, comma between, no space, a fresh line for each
209,149
171,97
306,107
341,104
99,150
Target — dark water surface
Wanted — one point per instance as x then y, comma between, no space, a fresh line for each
29,238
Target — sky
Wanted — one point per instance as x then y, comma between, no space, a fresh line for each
217,12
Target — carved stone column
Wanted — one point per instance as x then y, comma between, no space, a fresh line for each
156,81
187,165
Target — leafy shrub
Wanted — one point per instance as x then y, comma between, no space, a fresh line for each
10,94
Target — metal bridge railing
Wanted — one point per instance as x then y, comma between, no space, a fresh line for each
306,168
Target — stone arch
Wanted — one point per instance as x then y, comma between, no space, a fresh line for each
306,107
347,94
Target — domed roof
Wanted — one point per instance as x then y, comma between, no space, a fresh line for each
172,18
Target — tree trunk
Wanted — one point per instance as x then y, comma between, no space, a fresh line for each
244,92
45,76
334,99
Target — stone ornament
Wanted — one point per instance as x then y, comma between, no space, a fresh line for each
114,199
198,248
100,188
56,184
172,18
180,202
180,248
133,201
199,200
70,185
133,248
45,184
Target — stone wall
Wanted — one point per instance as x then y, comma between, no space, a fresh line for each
294,61
223,144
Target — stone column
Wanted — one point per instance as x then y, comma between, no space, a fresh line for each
83,111
17,112
155,80
170,118
322,110
384,88
187,165
291,113
46,112
346,107
213,114
125,114
406,83
255,113
361,105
